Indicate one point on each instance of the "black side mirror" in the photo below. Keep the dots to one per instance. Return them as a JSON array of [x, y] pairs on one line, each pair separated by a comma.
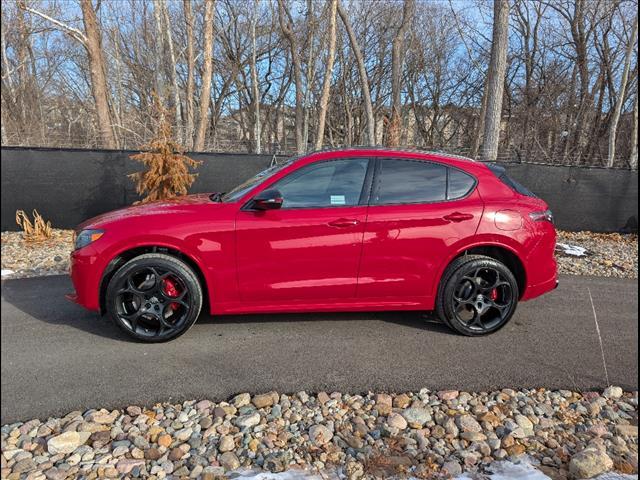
[[270, 199]]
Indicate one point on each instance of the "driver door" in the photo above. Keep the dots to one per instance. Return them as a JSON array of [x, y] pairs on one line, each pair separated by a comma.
[[309, 249]]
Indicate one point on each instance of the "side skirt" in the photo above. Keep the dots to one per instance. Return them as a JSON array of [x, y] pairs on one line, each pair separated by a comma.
[[328, 305]]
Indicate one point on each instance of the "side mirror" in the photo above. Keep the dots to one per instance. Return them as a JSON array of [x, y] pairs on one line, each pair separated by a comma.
[[269, 199]]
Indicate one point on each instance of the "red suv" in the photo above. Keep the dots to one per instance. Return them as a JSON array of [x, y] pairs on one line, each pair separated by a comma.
[[349, 230]]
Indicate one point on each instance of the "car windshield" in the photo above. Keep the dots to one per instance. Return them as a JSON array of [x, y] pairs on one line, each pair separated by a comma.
[[254, 181]]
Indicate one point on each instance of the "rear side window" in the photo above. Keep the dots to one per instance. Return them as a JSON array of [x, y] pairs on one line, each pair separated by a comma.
[[408, 181], [500, 172], [416, 181]]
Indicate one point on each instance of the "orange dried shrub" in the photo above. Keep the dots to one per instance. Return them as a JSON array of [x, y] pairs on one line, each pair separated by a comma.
[[38, 231], [167, 175]]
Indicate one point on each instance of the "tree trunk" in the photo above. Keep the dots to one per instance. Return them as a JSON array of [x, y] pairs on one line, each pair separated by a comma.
[[326, 84], [397, 59], [310, 73], [159, 56], [633, 159], [613, 130], [188, 18], [286, 26], [257, 128], [205, 91], [172, 73], [99, 87], [366, 93], [495, 80]]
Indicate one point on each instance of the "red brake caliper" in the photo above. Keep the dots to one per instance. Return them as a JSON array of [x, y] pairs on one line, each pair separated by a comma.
[[494, 294], [171, 290]]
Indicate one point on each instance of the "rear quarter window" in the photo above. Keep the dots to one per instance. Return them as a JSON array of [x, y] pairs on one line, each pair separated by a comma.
[[459, 184]]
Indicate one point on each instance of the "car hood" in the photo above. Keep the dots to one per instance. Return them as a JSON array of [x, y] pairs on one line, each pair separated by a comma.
[[181, 204]]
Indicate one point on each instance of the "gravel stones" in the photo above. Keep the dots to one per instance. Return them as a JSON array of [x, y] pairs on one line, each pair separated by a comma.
[[467, 423], [67, 442], [241, 400], [320, 435], [589, 463], [229, 461], [612, 392], [416, 417], [395, 420], [610, 254], [422, 434], [249, 420], [226, 444], [265, 400]]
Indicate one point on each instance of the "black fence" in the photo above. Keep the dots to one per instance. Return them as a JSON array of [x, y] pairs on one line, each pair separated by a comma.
[[68, 186]]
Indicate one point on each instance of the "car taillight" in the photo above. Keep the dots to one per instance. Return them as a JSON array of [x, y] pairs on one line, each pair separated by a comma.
[[545, 216]]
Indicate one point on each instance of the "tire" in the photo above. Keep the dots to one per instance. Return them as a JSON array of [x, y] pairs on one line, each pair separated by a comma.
[[154, 298], [467, 279]]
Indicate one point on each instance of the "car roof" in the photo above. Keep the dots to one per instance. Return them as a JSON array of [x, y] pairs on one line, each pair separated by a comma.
[[382, 151]]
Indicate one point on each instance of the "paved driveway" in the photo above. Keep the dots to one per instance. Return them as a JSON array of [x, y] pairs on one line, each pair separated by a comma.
[[56, 357]]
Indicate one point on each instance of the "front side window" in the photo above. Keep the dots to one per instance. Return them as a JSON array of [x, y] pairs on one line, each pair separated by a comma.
[[333, 183], [410, 181], [254, 181]]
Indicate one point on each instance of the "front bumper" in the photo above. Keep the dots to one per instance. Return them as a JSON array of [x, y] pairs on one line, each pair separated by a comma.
[[85, 274]]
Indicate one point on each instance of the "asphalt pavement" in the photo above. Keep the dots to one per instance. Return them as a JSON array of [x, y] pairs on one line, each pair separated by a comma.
[[57, 357]]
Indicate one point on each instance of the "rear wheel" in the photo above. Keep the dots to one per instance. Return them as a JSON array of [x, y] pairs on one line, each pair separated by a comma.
[[477, 295], [154, 297]]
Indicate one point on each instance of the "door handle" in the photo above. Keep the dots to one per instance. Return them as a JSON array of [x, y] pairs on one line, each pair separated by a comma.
[[458, 217], [344, 223]]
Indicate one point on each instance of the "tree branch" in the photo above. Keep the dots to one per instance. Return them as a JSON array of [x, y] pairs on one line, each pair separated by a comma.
[[73, 32]]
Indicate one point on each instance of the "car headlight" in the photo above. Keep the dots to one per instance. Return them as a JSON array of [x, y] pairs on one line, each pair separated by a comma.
[[85, 237]]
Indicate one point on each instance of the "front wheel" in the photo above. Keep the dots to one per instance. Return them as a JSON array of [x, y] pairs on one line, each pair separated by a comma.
[[154, 297], [477, 295]]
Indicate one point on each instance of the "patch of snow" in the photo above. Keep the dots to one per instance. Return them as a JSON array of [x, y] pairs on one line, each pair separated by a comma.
[[572, 250], [504, 470], [6, 272]]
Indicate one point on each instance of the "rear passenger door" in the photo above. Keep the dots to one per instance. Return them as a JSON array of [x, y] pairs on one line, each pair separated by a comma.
[[418, 209]]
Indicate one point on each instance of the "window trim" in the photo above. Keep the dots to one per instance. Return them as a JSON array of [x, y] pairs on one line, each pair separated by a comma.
[[377, 176], [365, 193]]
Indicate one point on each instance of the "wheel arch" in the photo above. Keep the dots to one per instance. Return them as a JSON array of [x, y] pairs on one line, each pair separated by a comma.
[[125, 255], [500, 252]]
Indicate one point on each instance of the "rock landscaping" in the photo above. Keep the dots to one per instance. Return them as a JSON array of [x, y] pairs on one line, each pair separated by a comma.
[[421, 434], [607, 255]]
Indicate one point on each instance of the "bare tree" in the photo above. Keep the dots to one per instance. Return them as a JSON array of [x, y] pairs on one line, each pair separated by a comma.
[[254, 81], [189, 104], [495, 80], [326, 84], [286, 24], [397, 59], [205, 90], [267, 77], [362, 71], [91, 40], [613, 129]]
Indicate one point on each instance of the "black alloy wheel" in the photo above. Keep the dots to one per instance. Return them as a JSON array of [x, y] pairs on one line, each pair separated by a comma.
[[478, 295], [154, 297]]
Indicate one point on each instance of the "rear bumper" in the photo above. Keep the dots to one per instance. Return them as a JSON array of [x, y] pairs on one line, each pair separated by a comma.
[[534, 291]]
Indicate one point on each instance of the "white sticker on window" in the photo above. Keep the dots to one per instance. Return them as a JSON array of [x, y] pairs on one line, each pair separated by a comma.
[[338, 200]]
